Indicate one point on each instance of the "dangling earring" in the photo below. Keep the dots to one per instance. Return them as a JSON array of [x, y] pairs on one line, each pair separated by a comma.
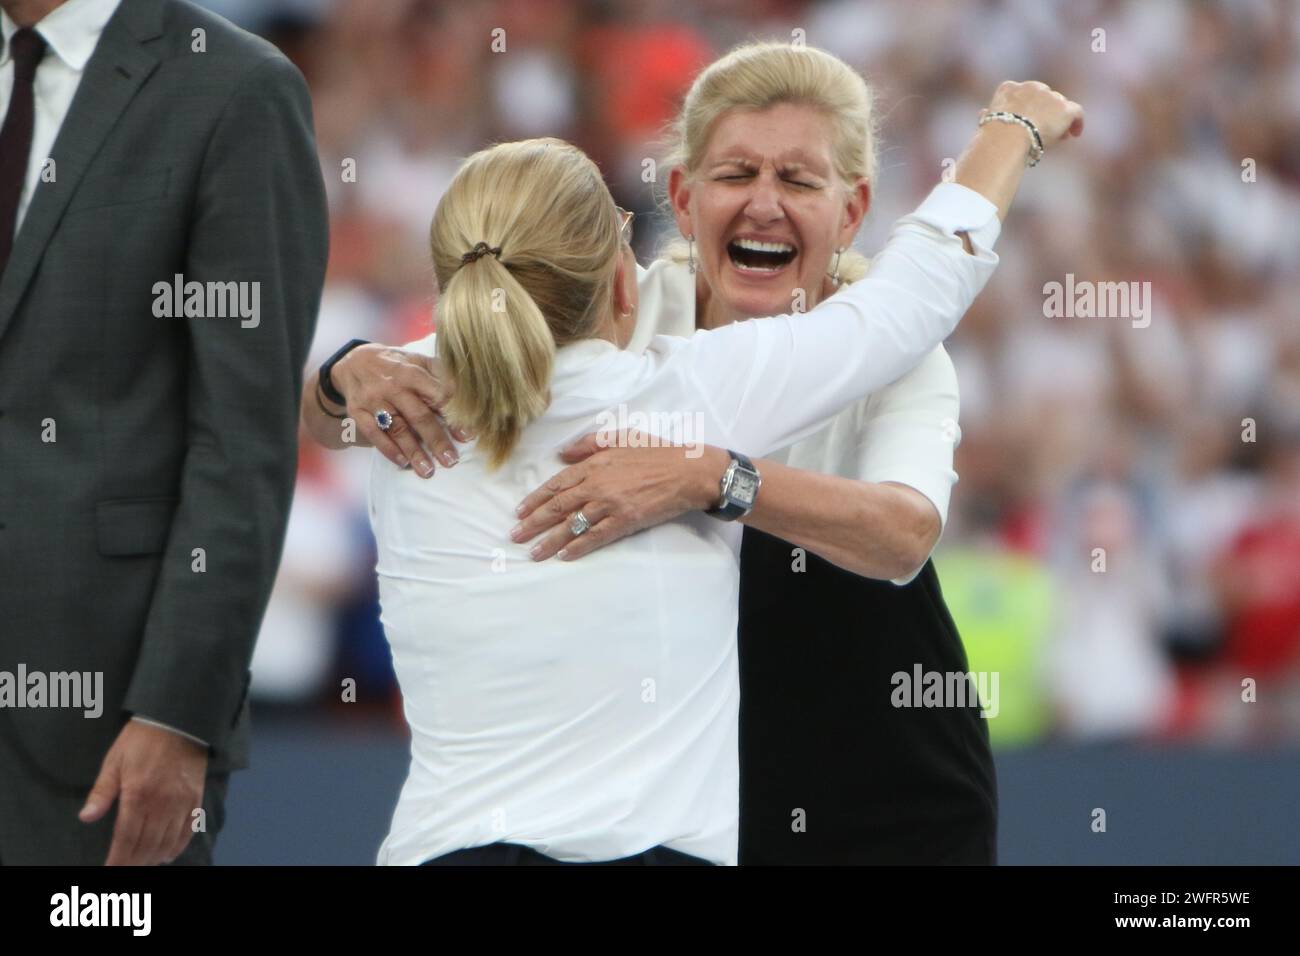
[[690, 252], [835, 273]]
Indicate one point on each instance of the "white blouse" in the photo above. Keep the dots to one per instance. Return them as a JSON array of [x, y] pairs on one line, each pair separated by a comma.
[[589, 709], [905, 432]]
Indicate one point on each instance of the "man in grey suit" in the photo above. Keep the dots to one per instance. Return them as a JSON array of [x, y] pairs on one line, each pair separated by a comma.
[[163, 237]]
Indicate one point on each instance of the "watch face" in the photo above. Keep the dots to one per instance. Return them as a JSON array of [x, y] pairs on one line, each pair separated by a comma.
[[744, 487]]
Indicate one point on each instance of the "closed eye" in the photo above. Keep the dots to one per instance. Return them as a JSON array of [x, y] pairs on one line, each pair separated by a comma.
[[734, 177]]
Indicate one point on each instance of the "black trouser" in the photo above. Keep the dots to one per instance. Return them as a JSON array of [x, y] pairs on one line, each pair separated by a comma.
[[513, 854]]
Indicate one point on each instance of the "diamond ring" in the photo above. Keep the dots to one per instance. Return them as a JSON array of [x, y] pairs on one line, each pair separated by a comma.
[[578, 524], [384, 419]]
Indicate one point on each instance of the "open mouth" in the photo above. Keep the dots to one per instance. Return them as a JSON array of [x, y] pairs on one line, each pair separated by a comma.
[[753, 255]]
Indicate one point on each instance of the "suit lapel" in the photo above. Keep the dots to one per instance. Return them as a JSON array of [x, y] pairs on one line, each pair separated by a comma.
[[115, 72]]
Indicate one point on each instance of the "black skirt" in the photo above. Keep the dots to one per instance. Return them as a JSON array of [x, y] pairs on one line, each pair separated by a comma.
[[830, 770]]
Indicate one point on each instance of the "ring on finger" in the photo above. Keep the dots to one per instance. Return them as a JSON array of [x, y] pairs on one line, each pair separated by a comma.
[[578, 524], [384, 419]]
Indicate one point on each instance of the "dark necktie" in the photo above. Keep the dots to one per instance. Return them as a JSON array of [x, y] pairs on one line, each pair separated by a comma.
[[16, 135]]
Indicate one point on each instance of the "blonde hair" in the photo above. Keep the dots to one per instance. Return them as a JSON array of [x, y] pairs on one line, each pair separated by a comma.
[[543, 203], [755, 76]]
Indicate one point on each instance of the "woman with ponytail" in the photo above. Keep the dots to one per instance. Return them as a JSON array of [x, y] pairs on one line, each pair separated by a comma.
[[587, 710]]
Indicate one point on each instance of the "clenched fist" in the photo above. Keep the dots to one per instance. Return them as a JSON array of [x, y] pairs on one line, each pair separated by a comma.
[[1055, 116]]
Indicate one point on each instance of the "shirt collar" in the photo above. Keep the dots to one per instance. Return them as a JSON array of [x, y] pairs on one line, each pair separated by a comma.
[[583, 379], [577, 356], [71, 30], [667, 290]]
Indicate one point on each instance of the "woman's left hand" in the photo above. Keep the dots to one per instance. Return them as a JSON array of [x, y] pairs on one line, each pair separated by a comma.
[[621, 487]]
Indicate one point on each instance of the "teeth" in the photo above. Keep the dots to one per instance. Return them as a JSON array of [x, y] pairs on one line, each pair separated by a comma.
[[756, 246]]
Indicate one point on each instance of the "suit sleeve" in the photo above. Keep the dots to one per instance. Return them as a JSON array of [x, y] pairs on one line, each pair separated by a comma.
[[259, 216]]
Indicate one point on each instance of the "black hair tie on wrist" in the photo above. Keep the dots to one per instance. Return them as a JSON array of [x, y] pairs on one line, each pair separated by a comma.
[[321, 404]]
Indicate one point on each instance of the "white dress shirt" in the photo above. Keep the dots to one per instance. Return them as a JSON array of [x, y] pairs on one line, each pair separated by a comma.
[[71, 31], [589, 709]]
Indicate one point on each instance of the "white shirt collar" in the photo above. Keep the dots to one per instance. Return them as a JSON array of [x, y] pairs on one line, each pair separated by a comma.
[[71, 30], [575, 358], [667, 292]]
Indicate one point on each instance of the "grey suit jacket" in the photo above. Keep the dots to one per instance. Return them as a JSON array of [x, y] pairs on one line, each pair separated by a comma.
[[141, 543]]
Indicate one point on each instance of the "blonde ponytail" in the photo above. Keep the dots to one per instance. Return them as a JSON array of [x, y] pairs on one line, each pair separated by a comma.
[[498, 349], [524, 243]]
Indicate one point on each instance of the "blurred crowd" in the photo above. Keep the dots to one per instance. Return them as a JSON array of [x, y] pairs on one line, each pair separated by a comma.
[[1124, 542]]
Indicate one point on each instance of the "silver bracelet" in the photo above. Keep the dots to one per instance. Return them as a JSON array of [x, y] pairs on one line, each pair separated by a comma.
[[1036, 141]]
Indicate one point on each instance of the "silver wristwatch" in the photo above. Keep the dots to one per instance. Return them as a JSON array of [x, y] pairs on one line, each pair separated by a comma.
[[739, 488]]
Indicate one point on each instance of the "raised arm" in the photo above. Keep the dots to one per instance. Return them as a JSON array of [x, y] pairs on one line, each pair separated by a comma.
[[879, 528], [992, 162], [773, 381]]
